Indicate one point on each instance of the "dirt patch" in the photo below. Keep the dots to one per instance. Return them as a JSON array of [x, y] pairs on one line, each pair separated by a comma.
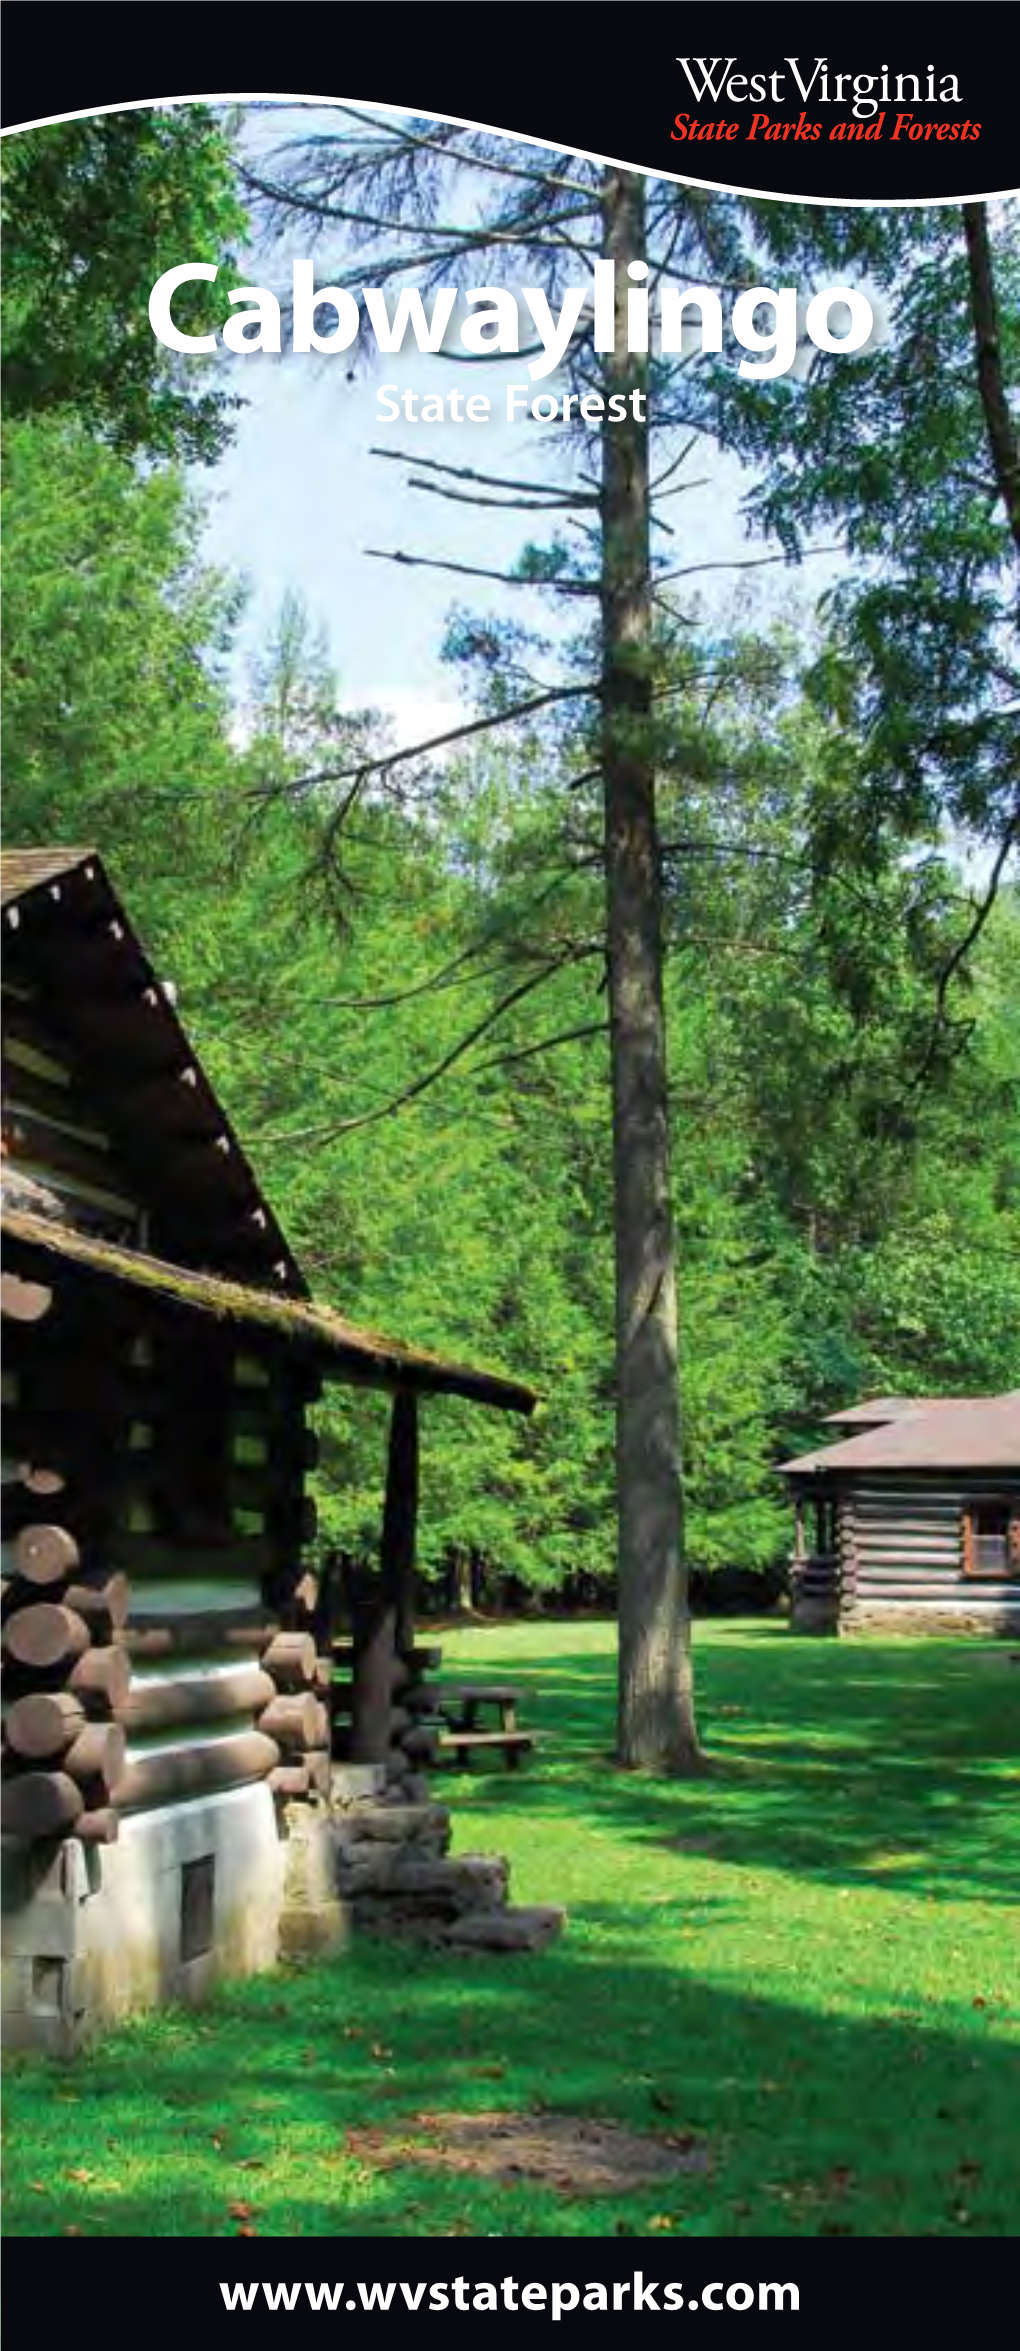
[[565, 2151]]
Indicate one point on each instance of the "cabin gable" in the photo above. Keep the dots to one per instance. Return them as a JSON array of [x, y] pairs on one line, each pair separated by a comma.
[[104, 1099]]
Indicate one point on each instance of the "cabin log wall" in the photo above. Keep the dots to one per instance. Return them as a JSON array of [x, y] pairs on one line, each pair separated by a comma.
[[900, 1558], [908, 1534], [153, 1514]]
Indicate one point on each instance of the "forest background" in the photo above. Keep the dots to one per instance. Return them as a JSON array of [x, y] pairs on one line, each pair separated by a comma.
[[404, 1012]]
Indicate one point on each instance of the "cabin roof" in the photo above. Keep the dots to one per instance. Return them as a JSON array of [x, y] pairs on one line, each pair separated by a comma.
[[876, 1411], [934, 1432], [338, 1348], [22, 870], [64, 919]]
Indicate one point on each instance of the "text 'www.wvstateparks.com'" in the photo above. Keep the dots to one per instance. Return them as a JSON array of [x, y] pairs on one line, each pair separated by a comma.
[[556, 2300]]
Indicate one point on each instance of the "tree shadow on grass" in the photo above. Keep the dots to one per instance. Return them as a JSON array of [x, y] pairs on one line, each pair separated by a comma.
[[237, 2119], [886, 1766]]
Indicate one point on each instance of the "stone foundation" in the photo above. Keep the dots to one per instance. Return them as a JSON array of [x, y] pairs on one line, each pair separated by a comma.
[[188, 1896], [396, 1875], [226, 1886], [895, 1616]]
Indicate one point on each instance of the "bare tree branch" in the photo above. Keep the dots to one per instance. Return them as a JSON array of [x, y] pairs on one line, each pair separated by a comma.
[[588, 1028], [689, 571], [449, 975], [439, 1069], [475, 571], [396, 134], [500, 505], [486, 481], [458, 239], [982, 908], [358, 776]]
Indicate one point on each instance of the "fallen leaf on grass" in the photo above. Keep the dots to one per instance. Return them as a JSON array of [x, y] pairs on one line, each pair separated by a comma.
[[83, 2177], [240, 2211]]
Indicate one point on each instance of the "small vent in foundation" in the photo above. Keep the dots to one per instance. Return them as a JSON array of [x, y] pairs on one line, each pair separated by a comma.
[[198, 1890], [47, 1985]]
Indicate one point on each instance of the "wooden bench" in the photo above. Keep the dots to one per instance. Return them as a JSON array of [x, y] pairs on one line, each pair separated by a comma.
[[463, 1708], [513, 1743]]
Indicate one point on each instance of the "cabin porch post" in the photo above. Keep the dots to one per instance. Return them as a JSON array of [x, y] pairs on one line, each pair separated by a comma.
[[389, 1625]]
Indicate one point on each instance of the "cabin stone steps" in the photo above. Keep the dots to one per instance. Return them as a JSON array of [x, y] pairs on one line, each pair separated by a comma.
[[395, 1875]]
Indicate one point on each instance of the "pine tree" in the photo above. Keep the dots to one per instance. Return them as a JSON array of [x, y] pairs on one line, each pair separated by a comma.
[[393, 187]]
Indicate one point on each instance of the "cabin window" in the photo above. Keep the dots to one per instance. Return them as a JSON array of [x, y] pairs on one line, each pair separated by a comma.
[[136, 1516], [989, 1534]]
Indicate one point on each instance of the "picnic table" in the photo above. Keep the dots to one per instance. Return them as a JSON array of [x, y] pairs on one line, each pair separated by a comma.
[[482, 1715]]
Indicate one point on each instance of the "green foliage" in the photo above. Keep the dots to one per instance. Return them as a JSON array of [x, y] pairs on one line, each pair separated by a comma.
[[810, 1182], [93, 212], [893, 450], [113, 704], [826, 1250]]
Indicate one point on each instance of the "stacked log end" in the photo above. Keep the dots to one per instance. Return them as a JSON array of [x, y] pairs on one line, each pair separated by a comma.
[[68, 1646], [63, 1753], [296, 1717]]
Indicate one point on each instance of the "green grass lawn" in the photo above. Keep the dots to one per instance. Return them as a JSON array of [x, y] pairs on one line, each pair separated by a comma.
[[806, 1960]]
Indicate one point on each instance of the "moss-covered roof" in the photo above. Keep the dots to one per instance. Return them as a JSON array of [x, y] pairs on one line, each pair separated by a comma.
[[341, 1349], [22, 870]]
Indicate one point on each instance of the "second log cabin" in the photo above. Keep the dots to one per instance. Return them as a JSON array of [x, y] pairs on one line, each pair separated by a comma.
[[166, 1745], [911, 1520]]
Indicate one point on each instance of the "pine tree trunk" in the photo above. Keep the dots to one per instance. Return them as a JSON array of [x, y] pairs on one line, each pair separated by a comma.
[[656, 1727]]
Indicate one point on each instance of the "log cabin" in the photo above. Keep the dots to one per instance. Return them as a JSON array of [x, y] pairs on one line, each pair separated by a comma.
[[166, 1728], [910, 1521]]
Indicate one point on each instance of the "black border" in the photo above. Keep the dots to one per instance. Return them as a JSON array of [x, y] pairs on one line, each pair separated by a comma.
[[606, 84]]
